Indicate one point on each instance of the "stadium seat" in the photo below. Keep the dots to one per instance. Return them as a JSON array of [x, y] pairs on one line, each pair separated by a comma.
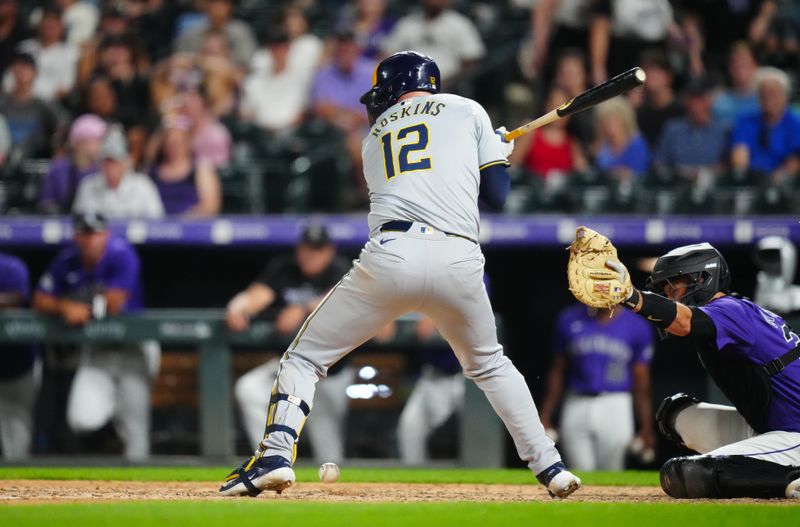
[[692, 200], [241, 190], [589, 192], [319, 170], [774, 200], [737, 192], [20, 185], [552, 195]]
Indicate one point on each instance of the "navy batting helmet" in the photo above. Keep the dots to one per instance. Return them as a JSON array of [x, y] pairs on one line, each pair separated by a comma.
[[705, 267], [398, 74]]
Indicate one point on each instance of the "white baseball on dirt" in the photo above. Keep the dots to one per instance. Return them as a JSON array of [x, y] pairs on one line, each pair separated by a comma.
[[329, 473]]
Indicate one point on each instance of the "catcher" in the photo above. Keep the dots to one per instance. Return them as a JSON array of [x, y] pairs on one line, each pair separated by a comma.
[[751, 449]]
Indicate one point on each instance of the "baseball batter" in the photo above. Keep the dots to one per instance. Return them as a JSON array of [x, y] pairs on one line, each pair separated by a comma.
[[750, 449], [428, 158]]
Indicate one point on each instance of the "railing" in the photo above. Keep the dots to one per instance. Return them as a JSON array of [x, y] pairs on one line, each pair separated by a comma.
[[496, 230]]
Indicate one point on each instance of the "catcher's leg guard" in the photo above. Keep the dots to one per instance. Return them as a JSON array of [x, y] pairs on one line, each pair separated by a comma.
[[668, 411], [725, 477], [689, 477]]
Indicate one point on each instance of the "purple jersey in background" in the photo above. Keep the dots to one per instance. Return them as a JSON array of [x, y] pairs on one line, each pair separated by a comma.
[[14, 277], [601, 355], [15, 359], [60, 184], [335, 86], [747, 331], [117, 269]]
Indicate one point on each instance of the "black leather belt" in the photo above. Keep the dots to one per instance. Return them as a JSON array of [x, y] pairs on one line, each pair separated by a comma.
[[404, 226]]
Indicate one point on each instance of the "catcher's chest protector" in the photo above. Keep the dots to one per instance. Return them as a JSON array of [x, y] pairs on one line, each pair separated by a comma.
[[744, 383]]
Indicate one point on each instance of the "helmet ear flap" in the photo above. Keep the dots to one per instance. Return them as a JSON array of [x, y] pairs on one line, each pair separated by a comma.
[[377, 100], [373, 105]]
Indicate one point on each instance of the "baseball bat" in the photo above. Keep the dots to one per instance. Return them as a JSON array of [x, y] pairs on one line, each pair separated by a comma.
[[602, 92]]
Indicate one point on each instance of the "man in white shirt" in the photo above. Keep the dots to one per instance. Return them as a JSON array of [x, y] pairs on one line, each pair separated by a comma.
[[219, 18], [80, 19], [305, 48], [450, 38], [276, 99], [56, 60], [116, 191]]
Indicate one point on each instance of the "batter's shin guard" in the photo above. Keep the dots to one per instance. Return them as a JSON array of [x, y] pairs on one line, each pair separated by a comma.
[[725, 477], [286, 425]]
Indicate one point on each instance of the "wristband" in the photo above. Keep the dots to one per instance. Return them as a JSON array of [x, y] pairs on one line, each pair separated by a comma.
[[658, 310], [633, 300]]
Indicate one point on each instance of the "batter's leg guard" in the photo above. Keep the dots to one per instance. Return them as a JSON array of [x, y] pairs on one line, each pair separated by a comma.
[[292, 426], [725, 477], [668, 411]]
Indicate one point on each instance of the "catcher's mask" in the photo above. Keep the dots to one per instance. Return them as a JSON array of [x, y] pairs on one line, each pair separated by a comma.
[[702, 264], [397, 74]]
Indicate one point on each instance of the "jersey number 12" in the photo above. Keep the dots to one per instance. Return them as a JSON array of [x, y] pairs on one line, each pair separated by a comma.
[[420, 132]]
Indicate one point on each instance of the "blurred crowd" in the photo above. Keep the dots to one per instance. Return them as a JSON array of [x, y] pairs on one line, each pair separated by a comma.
[[141, 108], [711, 131]]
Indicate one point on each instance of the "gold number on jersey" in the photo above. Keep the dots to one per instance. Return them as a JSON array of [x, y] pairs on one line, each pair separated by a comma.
[[420, 132]]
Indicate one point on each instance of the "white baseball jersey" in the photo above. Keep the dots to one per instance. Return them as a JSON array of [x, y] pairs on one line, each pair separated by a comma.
[[422, 162]]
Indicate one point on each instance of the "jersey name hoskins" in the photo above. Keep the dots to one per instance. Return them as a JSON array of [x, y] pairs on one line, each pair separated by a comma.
[[431, 108]]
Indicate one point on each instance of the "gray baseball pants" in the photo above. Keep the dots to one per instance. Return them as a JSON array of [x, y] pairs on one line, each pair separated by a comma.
[[425, 271]]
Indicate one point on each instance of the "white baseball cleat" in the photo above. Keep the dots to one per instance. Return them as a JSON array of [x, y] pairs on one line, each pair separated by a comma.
[[559, 481], [793, 489], [256, 475], [563, 484]]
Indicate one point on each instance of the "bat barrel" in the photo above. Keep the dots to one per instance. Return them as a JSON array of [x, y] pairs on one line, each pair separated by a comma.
[[602, 92], [618, 85]]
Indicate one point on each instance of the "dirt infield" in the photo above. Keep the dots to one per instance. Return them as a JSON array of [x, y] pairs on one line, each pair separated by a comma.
[[49, 491]]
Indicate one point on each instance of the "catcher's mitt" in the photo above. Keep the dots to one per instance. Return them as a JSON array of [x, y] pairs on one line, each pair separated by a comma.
[[596, 277]]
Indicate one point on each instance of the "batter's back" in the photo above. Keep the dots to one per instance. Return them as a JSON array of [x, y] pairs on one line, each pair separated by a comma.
[[422, 162]]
